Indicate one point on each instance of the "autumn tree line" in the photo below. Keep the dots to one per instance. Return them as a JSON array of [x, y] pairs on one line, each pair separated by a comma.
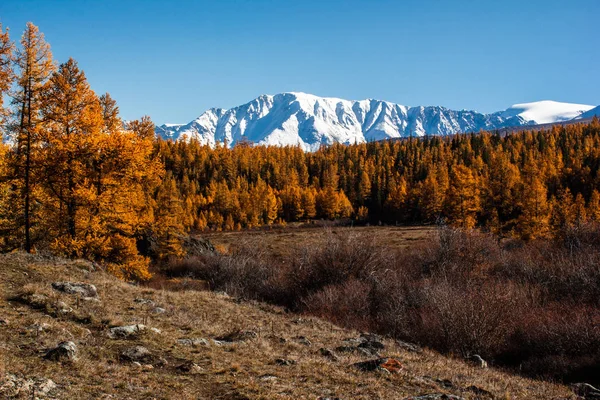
[[527, 185], [77, 180], [74, 179]]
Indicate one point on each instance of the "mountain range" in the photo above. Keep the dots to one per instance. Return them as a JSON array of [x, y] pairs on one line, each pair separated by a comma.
[[311, 121]]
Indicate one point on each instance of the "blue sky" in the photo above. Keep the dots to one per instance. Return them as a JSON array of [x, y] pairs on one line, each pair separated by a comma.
[[174, 59]]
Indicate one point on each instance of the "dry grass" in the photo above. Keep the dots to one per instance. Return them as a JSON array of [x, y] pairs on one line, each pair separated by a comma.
[[281, 242], [242, 370]]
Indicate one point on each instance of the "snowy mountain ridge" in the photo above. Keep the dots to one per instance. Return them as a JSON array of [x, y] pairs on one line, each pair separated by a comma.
[[311, 121]]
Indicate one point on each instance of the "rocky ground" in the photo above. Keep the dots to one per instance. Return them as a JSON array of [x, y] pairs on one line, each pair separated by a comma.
[[70, 331]]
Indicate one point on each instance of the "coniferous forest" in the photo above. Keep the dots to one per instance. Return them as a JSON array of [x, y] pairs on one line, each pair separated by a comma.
[[78, 181]]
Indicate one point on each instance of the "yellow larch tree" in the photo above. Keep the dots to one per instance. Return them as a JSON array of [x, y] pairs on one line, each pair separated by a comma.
[[33, 66]]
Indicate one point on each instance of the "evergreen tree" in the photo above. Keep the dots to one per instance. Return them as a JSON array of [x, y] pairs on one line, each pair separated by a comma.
[[33, 65]]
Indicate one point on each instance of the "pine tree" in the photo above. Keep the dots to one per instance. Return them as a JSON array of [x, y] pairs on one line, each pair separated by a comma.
[[535, 210], [33, 63], [463, 202]]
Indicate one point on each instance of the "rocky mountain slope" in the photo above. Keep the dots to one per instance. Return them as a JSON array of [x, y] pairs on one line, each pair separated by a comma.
[[62, 338], [311, 121]]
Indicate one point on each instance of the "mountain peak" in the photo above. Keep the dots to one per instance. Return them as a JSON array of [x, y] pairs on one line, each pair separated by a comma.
[[297, 118]]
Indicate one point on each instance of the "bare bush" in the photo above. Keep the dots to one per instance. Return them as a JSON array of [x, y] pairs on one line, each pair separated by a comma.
[[533, 306]]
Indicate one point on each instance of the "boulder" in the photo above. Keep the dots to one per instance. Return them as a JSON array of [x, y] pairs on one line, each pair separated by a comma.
[[135, 354], [78, 288], [65, 351], [126, 331], [390, 365]]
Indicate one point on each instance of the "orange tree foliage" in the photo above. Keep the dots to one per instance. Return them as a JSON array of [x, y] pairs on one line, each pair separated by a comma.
[[73, 178], [95, 175], [526, 184]]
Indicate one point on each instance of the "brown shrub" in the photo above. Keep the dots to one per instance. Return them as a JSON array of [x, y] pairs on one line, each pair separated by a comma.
[[531, 306]]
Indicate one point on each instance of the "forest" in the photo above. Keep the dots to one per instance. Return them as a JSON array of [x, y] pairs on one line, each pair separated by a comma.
[[78, 181], [525, 185]]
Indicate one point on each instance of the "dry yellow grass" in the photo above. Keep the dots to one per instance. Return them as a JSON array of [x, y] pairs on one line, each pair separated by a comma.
[[281, 241], [242, 370]]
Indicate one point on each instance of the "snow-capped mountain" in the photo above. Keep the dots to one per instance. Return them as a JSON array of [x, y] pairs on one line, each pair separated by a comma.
[[594, 112], [311, 121]]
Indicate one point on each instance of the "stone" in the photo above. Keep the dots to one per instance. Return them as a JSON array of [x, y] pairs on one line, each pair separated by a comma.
[[302, 340], [35, 300], [63, 308], [268, 378], [409, 346], [136, 353], [193, 342], [45, 386], [190, 367], [43, 327], [285, 362], [585, 390], [476, 360], [159, 310], [126, 331], [385, 364], [65, 351], [78, 288], [480, 392], [328, 354], [144, 301]]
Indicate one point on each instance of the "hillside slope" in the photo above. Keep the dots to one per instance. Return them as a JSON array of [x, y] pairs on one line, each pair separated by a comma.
[[274, 355]]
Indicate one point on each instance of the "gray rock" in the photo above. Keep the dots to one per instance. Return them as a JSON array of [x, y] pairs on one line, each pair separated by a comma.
[[586, 391], [44, 386], [65, 351], [302, 340], [126, 331], [144, 301], [193, 342], [285, 362], [135, 354], [159, 310], [78, 288], [190, 367], [63, 308], [328, 354], [476, 360], [409, 346]]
